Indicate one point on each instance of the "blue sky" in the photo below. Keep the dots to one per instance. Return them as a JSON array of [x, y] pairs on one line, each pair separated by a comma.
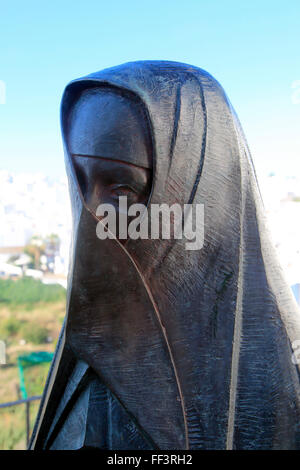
[[252, 48]]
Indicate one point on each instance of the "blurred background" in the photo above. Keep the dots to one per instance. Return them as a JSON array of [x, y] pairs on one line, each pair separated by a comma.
[[251, 48]]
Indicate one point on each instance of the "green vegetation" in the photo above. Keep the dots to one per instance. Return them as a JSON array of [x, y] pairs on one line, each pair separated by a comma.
[[9, 327], [32, 333], [28, 291], [31, 315], [35, 334]]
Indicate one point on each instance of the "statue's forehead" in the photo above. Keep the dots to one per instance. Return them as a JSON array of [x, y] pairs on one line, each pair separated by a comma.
[[106, 124]]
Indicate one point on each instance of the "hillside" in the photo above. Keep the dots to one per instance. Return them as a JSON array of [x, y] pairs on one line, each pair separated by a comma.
[[31, 315]]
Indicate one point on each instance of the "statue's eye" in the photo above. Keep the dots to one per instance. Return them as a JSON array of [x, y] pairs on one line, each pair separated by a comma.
[[118, 190]]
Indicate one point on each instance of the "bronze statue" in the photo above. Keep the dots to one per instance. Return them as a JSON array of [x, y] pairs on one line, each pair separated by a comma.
[[163, 347]]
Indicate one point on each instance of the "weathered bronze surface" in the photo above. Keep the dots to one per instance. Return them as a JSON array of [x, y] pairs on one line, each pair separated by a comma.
[[164, 348]]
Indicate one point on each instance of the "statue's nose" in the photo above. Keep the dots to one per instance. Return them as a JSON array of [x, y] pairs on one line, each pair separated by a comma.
[[92, 196]]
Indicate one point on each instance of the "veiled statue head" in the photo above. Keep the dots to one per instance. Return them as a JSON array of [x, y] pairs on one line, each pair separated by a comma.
[[175, 337], [110, 144]]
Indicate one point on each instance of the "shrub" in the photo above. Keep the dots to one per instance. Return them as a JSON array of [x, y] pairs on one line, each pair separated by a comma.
[[34, 333], [27, 291], [9, 327]]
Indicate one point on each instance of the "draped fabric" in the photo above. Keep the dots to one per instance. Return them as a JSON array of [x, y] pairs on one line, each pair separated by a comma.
[[194, 346]]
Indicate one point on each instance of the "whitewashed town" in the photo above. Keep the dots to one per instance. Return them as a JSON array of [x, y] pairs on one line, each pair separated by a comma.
[[35, 223], [35, 220]]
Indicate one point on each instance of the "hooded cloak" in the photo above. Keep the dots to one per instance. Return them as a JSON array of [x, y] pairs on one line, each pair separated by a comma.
[[162, 347]]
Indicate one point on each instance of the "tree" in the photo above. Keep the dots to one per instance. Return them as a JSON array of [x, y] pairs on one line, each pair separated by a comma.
[[35, 249]]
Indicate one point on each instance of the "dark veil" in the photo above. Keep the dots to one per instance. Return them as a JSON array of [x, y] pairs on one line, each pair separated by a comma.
[[183, 349]]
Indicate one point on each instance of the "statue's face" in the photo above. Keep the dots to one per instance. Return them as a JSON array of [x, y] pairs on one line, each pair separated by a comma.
[[107, 140]]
